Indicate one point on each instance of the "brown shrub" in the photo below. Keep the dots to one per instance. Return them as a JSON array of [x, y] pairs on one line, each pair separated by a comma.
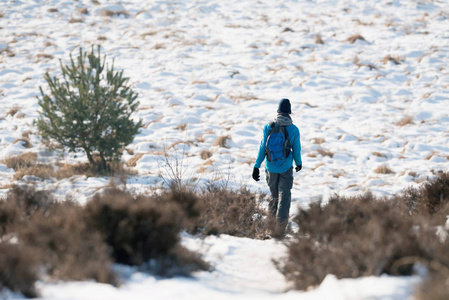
[[233, 212], [179, 262], [349, 237], [136, 228], [68, 248], [363, 235], [186, 199], [51, 236], [431, 198], [28, 200], [434, 287], [18, 269]]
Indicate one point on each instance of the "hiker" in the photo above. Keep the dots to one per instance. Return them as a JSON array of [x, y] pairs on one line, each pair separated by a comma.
[[280, 146]]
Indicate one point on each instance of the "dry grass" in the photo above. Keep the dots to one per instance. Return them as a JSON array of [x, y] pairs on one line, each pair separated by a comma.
[[13, 111], [359, 64], [407, 120], [43, 56], [181, 127], [324, 152], [383, 170], [133, 161], [28, 164], [206, 154], [356, 37], [83, 11], [378, 154], [25, 142], [389, 58], [76, 20], [110, 13], [319, 40], [222, 141], [18, 162], [317, 141]]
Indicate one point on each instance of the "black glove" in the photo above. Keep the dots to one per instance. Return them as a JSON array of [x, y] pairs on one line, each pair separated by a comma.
[[298, 168], [256, 176]]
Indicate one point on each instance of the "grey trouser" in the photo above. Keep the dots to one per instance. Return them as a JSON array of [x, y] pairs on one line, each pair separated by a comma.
[[280, 185]]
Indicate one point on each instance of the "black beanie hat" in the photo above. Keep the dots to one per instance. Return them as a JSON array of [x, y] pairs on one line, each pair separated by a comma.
[[284, 106]]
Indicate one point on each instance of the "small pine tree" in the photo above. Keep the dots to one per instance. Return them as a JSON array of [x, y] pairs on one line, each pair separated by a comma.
[[89, 108]]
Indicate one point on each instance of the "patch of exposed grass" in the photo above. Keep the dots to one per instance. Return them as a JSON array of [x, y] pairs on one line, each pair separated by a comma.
[[407, 120], [317, 141], [28, 164], [356, 37], [319, 40], [13, 111], [222, 141], [389, 58], [325, 152], [110, 13], [206, 154], [383, 170], [378, 154], [133, 161]]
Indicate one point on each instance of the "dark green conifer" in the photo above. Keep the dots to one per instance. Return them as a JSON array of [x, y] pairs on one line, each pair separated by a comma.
[[89, 108]]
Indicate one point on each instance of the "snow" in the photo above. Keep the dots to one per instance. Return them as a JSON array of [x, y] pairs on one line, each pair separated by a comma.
[[220, 67]]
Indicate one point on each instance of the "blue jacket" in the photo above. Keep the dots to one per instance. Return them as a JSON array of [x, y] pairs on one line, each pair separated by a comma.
[[293, 133]]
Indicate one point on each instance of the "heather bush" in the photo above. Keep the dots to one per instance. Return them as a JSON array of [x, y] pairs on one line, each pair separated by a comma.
[[68, 248], [143, 228], [18, 268], [364, 235], [49, 235], [233, 212]]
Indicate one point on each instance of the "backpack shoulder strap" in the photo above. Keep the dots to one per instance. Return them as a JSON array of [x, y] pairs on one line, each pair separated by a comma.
[[272, 124]]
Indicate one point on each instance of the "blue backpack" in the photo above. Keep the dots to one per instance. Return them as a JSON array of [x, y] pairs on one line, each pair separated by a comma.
[[278, 146]]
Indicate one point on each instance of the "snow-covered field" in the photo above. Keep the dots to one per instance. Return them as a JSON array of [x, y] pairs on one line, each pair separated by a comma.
[[209, 69]]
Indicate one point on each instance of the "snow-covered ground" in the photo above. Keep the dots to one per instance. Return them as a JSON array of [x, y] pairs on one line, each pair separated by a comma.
[[206, 69]]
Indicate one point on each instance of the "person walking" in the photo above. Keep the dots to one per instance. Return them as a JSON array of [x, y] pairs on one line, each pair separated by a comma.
[[280, 146]]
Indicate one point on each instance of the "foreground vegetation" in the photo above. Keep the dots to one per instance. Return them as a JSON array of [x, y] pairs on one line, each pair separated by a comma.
[[364, 235], [348, 236], [65, 241]]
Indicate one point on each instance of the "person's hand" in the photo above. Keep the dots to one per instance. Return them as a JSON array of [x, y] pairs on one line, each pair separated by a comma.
[[298, 168], [256, 175]]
